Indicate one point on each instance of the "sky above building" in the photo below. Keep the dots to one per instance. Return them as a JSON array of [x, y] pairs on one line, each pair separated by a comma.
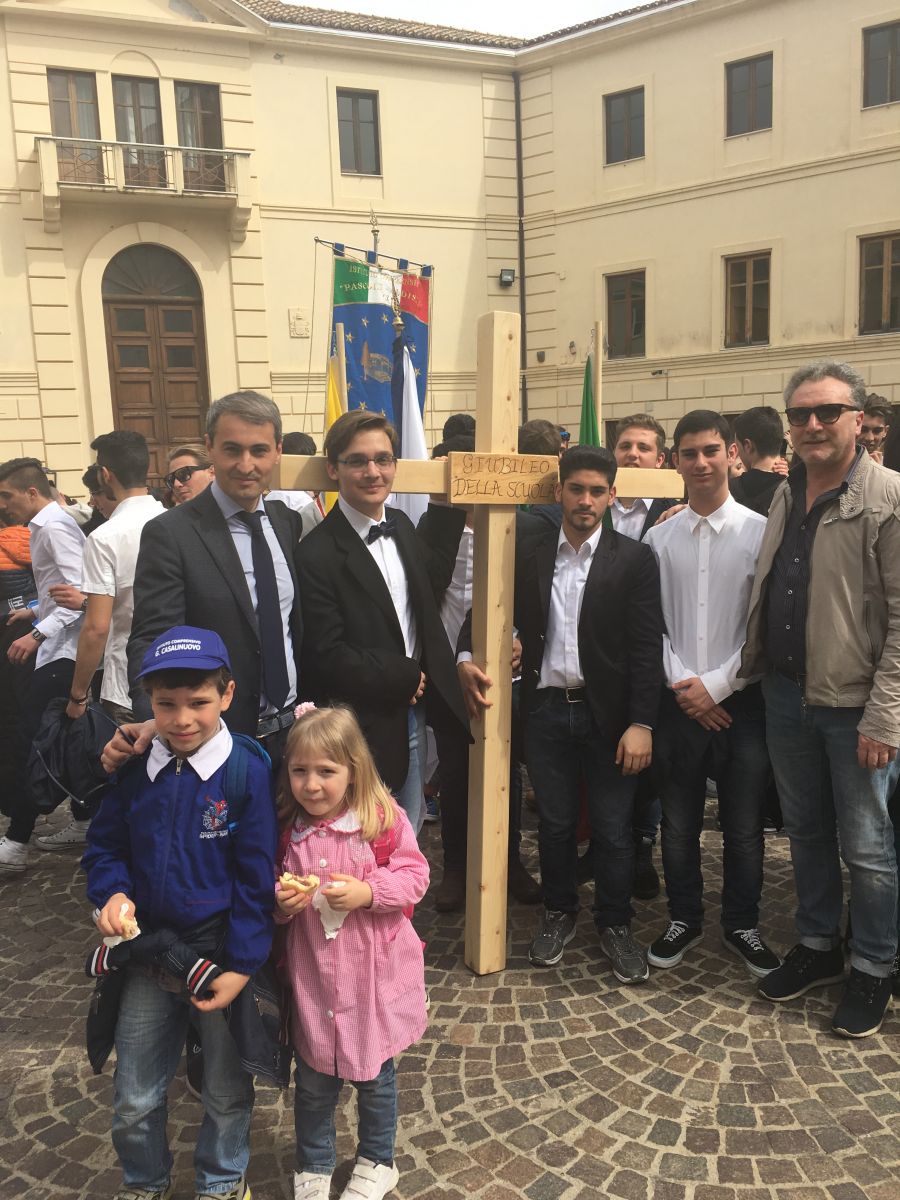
[[510, 17]]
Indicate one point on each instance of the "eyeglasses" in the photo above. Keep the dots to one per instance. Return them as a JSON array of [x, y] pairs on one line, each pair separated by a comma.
[[359, 462], [826, 414], [183, 474]]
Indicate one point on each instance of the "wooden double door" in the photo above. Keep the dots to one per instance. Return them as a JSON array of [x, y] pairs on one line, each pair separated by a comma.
[[157, 363]]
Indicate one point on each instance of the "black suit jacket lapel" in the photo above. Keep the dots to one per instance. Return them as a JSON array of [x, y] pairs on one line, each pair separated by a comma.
[[361, 565], [212, 529]]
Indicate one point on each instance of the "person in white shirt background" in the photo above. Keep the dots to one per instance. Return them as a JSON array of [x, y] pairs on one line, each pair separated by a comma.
[[57, 546], [711, 722]]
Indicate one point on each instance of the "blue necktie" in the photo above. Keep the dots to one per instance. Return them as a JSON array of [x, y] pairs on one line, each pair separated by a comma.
[[387, 528], [268, 613]]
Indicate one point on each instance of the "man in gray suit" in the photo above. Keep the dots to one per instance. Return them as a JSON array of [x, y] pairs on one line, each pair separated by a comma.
[[225, 561]]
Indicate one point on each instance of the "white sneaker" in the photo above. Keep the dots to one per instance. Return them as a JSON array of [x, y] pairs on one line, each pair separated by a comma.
[[13, 856], [73, 834], [370, 1182], [309, 1186]]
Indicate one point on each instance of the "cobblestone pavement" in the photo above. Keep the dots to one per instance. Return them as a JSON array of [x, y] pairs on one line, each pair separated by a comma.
[[552, 1085]]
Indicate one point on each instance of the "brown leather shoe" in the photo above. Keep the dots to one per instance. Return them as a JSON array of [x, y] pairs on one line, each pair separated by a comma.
[[522, 886], [450, 895]]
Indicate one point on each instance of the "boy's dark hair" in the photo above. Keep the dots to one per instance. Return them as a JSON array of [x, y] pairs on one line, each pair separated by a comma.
[[179, 677], [539, 437], [588, 458], [25, 473], [761, 426], [346, 427], [701, 420], [642, 421], [124, 452], [459, 424], [458, 443], [91, 479], [878, 406], [298, 442]]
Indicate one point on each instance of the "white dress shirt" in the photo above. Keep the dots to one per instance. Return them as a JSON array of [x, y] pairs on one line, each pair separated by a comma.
[[388, 561], [458, 596], [707, 566], [240, 533], [110, 557], [57, 545], [629, 521], [561, 664]]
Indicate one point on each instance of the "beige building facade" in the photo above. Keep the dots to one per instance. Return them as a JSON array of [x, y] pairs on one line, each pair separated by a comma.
[[716, 181]]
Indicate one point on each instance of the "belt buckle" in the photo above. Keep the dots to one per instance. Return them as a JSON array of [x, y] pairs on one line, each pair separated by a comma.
[[571, 699]]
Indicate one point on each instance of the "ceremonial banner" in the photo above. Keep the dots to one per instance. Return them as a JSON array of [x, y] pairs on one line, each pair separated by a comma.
[[364, 300]]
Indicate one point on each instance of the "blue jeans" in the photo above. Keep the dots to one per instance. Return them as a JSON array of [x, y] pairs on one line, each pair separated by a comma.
[[647, 808], [684, 755], [150, 1037], [315, 1100], [834, 809], [563, 746], [411, 796]]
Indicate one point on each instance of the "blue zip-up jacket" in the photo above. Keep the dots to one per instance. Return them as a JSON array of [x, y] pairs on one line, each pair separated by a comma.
[[171, 846]]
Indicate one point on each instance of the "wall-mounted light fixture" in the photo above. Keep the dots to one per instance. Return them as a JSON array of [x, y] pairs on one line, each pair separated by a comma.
[[507, 276]]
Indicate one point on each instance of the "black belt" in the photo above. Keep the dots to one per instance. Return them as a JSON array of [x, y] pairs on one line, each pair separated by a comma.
[[794, 676], [573, 695], [274, 724]]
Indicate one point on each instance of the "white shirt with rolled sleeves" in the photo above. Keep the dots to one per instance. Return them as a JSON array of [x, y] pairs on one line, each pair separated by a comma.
[[110, 557], [707, 566], [57, 548]]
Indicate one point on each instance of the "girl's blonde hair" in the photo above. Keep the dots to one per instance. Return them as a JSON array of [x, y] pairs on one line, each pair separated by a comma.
[[334, 733]]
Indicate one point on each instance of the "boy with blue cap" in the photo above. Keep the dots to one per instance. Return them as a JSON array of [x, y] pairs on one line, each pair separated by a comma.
[[185, 842]]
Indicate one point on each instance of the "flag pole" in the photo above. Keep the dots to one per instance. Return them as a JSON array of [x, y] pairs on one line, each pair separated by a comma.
[[341, 354], [597, 376]]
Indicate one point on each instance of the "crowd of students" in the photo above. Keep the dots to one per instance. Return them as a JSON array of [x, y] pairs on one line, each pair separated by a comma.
[[271, 674]]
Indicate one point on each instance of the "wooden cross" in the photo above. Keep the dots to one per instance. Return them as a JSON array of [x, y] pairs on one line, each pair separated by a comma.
[[495, 479]]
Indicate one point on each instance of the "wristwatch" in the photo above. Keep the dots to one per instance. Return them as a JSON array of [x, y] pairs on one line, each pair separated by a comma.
[[38, 636], [84, 604]]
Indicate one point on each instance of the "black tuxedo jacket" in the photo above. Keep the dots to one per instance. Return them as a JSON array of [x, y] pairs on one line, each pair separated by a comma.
[[619, 630], [654, 512], [353, 650], [189, 573]]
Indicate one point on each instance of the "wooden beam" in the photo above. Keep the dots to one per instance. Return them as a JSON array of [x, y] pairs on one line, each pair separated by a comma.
[[496, 425]]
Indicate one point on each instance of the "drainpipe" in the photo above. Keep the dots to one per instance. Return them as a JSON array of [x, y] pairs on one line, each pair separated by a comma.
[[520, 200]]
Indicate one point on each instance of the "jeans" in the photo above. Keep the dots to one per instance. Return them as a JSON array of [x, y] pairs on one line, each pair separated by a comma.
[[411, 796], [684, 755], [315, 1100], [647, 808], [563, 746], [834, 809], [150, 1036]]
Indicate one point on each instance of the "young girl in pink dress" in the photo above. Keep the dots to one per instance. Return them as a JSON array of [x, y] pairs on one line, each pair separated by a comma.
[[353, 958]]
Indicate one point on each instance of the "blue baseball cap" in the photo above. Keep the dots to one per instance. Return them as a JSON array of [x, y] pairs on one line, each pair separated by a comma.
[[183, 647]]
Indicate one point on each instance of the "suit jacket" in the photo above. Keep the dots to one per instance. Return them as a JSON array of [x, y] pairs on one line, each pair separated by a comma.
[[189, 573], [654, 512], [619, 630], [354, 650]]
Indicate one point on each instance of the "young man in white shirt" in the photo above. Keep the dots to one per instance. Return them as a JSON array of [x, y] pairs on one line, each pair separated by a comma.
[[711, 722], [57, 545]]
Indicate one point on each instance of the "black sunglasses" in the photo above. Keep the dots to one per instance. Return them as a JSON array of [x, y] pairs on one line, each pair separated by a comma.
[[183, 474], [826, 414]]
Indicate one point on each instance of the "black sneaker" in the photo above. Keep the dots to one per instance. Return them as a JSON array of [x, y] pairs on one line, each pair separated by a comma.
[[670, 948], [747, 943], [555, 931], [865, 1000], [801, 970], [646, 880]]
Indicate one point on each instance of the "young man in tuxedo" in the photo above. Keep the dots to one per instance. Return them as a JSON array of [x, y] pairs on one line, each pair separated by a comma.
[[587, 609], [373, 636]]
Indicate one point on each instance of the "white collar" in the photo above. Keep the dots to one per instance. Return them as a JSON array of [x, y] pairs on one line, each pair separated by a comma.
[[347, 822], [617, 503], [360, 523], [717, 519], [230, 508], [591, 543], [50, 512], [205, 760]]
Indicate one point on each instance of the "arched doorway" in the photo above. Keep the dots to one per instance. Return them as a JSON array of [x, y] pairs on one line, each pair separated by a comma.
[[155, 345]]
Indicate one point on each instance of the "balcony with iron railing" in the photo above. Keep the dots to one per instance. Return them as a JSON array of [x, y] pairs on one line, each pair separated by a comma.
[[86, 169]]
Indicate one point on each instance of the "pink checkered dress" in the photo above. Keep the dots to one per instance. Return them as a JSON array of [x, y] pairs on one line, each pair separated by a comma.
[[359, 998]]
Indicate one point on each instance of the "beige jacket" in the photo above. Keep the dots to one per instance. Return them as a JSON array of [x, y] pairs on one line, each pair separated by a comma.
[[853, 617]]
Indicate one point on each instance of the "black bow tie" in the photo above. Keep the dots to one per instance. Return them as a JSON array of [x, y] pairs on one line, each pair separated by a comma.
[[387, 528]]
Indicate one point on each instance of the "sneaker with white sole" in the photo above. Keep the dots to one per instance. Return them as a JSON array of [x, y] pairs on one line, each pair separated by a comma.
[[130, 1193], [13, 856], [310, 1186], [73, 835], [748, 945], [240, 1191], [671, 946], [370, 1181]]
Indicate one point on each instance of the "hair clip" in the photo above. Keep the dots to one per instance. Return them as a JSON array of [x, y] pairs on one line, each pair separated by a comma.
[[306, 706]]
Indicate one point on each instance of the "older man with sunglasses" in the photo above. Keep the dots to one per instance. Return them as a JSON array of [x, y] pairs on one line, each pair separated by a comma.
[[825, 624]]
